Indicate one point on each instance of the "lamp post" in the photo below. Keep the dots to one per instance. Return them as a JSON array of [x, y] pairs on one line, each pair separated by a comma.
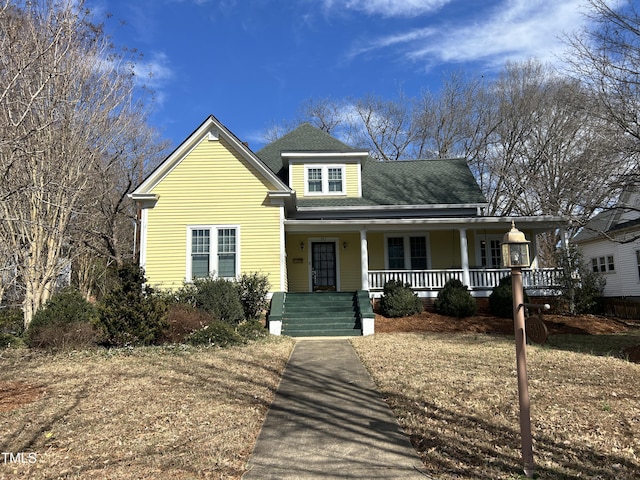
[[515, 255]]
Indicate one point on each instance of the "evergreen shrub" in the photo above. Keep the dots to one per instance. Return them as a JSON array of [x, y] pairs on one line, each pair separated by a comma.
[[253, 289], [219, 297], [398, 300], [66, 321], [455, 300], [12, 321], [252, 330], [132, 313], [501, 299]]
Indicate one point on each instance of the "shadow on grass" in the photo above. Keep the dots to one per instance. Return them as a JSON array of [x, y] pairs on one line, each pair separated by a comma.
[[466, 446]]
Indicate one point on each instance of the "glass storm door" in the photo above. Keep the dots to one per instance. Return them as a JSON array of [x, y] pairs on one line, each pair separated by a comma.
[[323, 264]]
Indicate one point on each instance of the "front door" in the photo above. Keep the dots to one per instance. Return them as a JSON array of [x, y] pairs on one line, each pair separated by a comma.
[[323, 266]]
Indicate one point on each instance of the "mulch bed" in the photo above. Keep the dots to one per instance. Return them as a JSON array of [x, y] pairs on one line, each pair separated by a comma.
[[556, 325]]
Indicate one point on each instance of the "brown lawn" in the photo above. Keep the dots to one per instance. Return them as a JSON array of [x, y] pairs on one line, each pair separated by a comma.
[[453, 386], [187, 413]]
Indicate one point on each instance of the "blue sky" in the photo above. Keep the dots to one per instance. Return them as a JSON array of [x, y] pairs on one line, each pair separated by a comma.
[[251, 63]]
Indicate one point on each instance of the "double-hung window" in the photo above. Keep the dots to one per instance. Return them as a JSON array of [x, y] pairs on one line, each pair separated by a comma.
[[603, 264], [213, 251], [324, 180], [407, 252]]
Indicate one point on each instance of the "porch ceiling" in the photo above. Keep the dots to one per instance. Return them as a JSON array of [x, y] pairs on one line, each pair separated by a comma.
[[534, 223]]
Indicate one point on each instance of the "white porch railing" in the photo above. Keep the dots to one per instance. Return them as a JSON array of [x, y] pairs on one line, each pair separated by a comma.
[[480, 278]]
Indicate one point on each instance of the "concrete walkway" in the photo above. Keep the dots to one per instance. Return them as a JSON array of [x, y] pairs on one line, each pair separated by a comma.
[[328, 421]]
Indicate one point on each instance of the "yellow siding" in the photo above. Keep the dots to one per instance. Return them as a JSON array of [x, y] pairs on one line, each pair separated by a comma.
[[212, 185], [298, 263], [445, 249], [351, 172], [350, 262], [375, 242]]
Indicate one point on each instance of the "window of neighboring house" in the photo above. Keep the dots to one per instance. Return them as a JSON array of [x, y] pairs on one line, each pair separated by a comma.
[[204, 242], [490, 253], [603, 264], [638, 262], [324, 180], [407, 253]]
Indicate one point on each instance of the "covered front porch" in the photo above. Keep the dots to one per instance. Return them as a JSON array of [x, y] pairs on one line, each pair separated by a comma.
[[348, 255]]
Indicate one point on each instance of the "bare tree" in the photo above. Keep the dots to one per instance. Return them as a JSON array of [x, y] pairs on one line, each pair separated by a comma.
[[606, 57], [66, 100]]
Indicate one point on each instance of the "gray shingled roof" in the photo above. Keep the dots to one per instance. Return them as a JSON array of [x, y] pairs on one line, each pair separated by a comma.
[[414, 182], [420, 182], [305, 138]]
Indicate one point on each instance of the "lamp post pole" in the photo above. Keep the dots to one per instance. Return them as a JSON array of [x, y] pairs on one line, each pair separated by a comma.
[[521, 362]]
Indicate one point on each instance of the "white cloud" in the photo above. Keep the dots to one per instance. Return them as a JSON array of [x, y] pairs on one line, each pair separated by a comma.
[[387, 8], [154, 73], [511, 30]]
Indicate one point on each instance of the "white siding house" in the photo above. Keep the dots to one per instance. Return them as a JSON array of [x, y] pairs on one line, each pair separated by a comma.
[[610, 243]]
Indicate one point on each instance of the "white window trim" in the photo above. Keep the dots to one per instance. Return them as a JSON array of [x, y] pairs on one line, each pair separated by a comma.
[[213, 249], [407, 248], [324, 167], [606, 263]]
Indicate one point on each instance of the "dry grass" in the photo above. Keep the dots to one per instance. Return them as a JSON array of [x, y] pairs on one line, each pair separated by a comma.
[[144, 413], [456, 397]]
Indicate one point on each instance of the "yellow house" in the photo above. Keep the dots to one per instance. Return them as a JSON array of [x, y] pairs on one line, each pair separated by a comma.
[[316, 215]]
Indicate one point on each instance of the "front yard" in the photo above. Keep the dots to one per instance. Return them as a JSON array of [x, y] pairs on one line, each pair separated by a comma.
[[456, 395], [155, 412], [187, 413]]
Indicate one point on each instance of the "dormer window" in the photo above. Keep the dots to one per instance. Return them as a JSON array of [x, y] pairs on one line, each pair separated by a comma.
[[324, 180]]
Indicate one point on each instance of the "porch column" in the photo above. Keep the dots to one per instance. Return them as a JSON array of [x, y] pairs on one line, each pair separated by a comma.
[[464, 257], [364, 260]]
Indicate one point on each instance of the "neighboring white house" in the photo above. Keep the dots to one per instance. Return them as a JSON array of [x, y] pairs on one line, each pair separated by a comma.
[[610, 243]]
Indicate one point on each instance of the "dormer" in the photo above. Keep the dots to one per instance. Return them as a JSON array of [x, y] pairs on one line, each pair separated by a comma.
[[325, 174]]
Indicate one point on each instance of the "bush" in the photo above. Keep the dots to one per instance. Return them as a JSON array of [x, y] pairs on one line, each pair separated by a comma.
[[182, 320], [7, 340], [251, 330], [12, 321], [581, 288], [66, 321], [132, 313], [455, 300], [501, 299], [253, 289], [217, 333], [220, 298], [398, 300]]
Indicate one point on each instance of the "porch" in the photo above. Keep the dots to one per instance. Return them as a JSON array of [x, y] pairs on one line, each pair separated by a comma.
[[340, 256]]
